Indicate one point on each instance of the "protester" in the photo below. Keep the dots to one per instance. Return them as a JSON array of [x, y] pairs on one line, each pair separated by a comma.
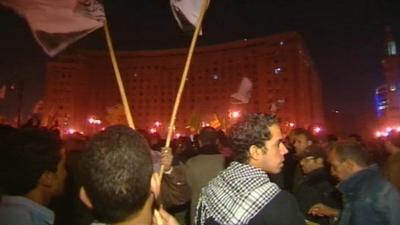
[[243, 193], [118, 180], [33, 175], [205, 166], [369, 199], [316, 186]]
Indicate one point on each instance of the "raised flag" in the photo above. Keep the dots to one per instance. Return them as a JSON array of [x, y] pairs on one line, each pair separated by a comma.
[[56, 24], [186, 12], [276, 105], [194, 123], [243, 94], [215, 122]]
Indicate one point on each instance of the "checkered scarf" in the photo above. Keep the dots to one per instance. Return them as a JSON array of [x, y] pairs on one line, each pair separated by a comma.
[[236, 195]]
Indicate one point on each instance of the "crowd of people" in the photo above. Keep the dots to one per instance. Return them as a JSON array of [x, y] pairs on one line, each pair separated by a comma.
[[250, 174]]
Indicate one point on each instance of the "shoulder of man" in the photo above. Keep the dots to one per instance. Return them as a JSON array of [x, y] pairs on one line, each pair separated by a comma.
[[282, 209]]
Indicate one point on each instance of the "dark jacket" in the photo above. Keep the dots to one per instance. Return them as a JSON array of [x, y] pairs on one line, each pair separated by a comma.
[[200, 170], [369, 199], [282, 210], [316, 187]]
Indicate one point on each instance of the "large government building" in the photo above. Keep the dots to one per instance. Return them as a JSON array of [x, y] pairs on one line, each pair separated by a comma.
[[387, 96], [283, 80]]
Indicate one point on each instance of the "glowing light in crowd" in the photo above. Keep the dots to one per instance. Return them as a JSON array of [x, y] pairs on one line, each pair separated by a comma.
[[387, 131], [292, 125], [317, 130], [157, 123], [204, 124], [177, 135], [234, 114], [93, 120], [153, 130], [381, 134], [70, 131]]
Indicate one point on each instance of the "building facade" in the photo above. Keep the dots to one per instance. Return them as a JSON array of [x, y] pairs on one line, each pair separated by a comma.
[[283, 77], [388, 95]]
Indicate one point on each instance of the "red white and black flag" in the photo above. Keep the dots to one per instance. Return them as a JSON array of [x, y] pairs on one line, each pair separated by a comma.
[[56, 24]]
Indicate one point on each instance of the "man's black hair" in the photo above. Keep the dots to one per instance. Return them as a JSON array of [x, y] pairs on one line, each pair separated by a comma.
[[305, 133], [116, 172], [253, 129], [27, 154], [354, 151], [208, 135]]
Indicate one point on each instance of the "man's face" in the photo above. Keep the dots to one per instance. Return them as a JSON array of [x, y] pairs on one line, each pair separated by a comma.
[[338, 168], [301, 143], [310, 163], [275, 150]]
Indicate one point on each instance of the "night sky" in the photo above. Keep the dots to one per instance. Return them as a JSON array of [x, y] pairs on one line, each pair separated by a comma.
[[345, 39]]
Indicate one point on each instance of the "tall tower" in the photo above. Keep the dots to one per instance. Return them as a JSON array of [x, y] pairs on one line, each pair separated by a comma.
[[391, 66]]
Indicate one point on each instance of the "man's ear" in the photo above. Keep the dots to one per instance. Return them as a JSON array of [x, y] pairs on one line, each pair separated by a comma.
[[47, 179], [155, 184], [255, 152], [85, 198]]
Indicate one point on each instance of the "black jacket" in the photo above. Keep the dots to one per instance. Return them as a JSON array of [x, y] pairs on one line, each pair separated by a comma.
[[282, 210], [316, 187]]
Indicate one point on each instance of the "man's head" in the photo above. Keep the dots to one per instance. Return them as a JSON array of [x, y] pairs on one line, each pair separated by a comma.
[[116, 174], [208, 136], [313, 158], [34, 162], [257, 140], [347, 158], [302, 140]]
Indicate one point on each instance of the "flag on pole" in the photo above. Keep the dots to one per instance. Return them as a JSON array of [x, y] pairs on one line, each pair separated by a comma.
[[194, 123], [276, 105], [215, 122], [56, 24], [3, 92], [242, 96], [186, 12]]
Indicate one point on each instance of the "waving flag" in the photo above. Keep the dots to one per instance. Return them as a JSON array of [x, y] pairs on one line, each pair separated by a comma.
[[56, 24], [186, 12], [242, 96]]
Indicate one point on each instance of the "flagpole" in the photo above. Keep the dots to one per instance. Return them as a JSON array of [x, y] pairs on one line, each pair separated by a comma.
[[118, 76], [184, 76]]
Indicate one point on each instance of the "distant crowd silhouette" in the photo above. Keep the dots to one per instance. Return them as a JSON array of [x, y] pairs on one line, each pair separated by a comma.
[[250, 174]]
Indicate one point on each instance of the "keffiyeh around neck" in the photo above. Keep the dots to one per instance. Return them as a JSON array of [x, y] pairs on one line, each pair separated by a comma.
[[236, 195]]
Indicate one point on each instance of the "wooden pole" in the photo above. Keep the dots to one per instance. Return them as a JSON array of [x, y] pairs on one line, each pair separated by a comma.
[[118, 76], [203, 9]]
